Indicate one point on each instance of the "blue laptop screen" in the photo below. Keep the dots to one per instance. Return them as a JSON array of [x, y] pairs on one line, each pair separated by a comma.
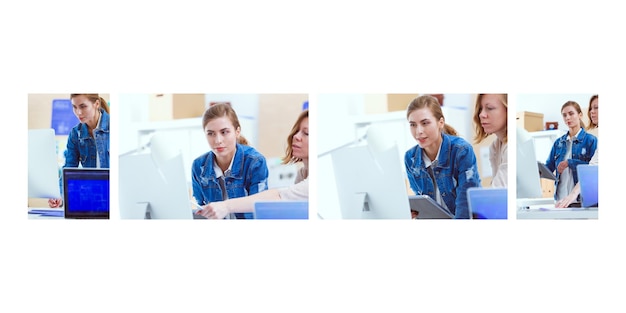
[[279, 210], [488, 203], [86, 193]]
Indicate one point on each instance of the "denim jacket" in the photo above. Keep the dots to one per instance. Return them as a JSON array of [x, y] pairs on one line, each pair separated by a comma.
[[248, 176], [81, 148], [583, 147], [455, 172]]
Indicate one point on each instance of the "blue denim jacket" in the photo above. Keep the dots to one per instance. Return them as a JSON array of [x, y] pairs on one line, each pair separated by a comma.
[[583, 147], [248, 176], [81, 148], [455, 172]]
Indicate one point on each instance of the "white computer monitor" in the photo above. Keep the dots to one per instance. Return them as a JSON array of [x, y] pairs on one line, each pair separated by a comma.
[[371, 182], [528, 182], [43, 167], [153, 185]]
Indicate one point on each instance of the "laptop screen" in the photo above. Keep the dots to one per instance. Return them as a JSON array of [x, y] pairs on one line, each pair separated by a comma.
[[86, 192], [282, 210], [588, 179], [487, 203]]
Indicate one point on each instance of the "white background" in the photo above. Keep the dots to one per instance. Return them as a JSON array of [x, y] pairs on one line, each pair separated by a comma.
[[313, 47]]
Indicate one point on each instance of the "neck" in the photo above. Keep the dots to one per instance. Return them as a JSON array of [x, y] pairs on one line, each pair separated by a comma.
[[432, 150], [573, 131]]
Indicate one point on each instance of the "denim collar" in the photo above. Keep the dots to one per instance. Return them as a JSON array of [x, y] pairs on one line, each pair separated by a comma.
[[443, 156], [236, 166], [580, 136]]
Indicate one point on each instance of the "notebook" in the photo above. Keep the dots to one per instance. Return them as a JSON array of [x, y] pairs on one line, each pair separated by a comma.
[[281, 210], [487, 203], [427, 208], [86, 193], [588, 180]]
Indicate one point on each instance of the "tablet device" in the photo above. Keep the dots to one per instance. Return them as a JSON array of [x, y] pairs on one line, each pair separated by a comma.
[[86, 193], [427, 208], [544, 171]]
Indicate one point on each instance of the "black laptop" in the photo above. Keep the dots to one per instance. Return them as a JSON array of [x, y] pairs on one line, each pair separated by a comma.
[[86, 193]]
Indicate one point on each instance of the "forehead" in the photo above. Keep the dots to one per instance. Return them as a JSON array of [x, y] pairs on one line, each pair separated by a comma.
[[421, 114], [491, 99], [304, 123], [219, 123], [80, 99], [568, 109]]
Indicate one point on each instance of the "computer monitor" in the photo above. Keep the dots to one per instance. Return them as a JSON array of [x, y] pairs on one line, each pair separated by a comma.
[[86, 193], [153, 185], [371, 182], [528, 182], [43, 167]]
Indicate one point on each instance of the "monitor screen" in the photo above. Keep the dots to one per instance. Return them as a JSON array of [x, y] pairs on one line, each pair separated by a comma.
[[86, 192], [528, 182], [371, 184], [43, 167]]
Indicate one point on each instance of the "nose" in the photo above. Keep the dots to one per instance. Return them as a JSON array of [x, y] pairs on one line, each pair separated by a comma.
[[297, 136]]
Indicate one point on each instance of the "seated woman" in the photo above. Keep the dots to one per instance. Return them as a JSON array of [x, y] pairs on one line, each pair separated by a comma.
[[441, 165], [297, 151]]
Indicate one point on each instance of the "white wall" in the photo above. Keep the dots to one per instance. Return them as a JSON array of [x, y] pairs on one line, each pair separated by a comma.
[[550, 105]]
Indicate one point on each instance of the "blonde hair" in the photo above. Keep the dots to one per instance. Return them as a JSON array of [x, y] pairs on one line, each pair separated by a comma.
[[591, 123], [480, 132], [289, 158], [431, 103]]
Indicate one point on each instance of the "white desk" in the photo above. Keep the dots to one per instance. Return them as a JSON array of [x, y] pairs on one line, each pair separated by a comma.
[[43, 216]]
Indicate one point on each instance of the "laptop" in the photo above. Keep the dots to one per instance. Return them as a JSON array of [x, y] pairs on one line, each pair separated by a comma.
[[544, 171], [281, 210], [487, 203], [427, 208], [86, 193], [588, 180]]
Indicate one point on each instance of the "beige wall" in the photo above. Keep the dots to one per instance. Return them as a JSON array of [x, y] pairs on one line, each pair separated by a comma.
[[277, 114]]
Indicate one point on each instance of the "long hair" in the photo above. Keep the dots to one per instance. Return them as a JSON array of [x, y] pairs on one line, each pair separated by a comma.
[[431, 103], [578, 110], [93, 97], [289, 158], [223, 110], [480, 132], [591, 123]]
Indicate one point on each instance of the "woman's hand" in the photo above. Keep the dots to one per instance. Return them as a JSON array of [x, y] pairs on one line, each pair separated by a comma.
[[55, 203], [214, 210], [562, 166], [565, 202]]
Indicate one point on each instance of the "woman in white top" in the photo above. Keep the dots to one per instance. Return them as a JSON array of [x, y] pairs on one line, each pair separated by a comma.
[[490, 117], [297, 151]]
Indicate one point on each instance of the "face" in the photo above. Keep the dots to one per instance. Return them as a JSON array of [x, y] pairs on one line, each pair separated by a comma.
[[593, 113], [571, 117], [222, 137], [425, 128], [85, 110], [492, 115], [300, 141]]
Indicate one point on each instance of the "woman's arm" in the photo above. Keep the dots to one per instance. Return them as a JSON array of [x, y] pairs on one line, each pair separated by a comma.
[[220, 209]]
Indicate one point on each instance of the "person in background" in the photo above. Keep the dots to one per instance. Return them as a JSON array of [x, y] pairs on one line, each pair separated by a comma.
[[441, 165], [297, 151], [574, 148], [592, 112], [88, 141], [490, 117], [232, 169]]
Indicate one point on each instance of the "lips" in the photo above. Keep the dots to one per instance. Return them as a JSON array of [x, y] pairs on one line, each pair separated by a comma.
[[220, 149]]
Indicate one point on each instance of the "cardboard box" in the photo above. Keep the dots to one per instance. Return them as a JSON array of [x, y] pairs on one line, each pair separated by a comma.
[[530, 121], [165, 107]]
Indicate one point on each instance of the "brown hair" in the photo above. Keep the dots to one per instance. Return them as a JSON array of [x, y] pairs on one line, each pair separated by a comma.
[[577, 108], [93, 97], [431, 103], [591, 124], [223, 110], [480, 132], [289, 158]]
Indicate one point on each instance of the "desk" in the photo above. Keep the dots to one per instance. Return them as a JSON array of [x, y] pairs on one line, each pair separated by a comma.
[[543, 208], [538, 212], [43, 216]]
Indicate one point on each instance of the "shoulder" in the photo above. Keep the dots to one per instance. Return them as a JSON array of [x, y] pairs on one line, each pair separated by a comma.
[[250, 152]]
